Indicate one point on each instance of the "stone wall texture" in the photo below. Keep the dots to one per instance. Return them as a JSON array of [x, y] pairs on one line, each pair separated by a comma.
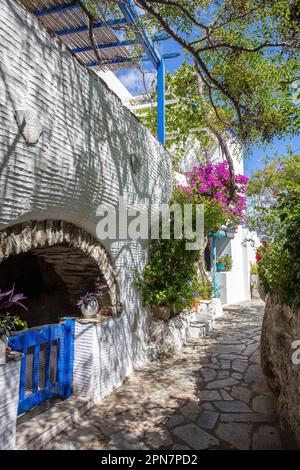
[[68, 145], [166, 339], [281, 364], [9, 396]]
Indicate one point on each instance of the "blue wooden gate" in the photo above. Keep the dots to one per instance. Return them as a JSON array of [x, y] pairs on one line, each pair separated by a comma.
[[47, 363]]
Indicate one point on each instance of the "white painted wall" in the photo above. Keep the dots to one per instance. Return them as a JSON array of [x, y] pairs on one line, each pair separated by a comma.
[[234, 286], [82, 159], [115, 85]]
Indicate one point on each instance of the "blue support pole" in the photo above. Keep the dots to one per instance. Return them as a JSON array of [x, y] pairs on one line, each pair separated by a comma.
[[161, 120], [125, 60], [69, 357]]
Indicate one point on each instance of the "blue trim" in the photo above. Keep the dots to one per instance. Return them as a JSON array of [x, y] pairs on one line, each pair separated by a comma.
[[55, 9], [109, 45], [161, 124], [127, 60], [69, 332], [132, 17], [220, 234], [105, 46], [84, 27]]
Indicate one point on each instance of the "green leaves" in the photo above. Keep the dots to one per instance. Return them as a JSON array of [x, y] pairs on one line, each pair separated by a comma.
[[247, 53], [277, 214]]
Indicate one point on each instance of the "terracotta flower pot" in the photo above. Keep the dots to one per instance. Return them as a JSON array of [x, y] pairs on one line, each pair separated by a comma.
[[195, 304], [161, 312]]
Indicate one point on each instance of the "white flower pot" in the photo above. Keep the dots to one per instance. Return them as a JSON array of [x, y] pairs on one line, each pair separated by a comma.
[[90, 310], [3, 341]]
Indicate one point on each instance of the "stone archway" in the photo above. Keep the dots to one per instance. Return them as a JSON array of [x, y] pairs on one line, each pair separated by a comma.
[[59, 253]]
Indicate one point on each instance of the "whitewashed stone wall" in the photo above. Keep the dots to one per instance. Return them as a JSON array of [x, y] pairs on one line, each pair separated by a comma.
[[103, 356], [82, 158], [280, 358], [9, 400]]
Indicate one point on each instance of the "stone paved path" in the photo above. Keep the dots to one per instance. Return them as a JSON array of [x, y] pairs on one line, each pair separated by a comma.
[[211, 396]]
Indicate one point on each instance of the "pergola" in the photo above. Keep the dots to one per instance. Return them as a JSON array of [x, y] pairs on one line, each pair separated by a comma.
[[68, 21]]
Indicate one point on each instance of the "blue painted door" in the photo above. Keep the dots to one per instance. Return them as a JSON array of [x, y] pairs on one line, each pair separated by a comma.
[[47, 363]]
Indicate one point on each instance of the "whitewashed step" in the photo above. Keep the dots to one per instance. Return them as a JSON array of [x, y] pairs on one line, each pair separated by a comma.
[[201, 327]]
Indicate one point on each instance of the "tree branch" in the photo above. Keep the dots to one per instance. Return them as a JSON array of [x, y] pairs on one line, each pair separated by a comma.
[[200, 64], [91, 33], [184, 11], [245, 49], [221, 140]]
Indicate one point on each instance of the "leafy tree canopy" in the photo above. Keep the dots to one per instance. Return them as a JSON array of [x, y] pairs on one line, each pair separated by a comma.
[[247, 56], [241, 71]]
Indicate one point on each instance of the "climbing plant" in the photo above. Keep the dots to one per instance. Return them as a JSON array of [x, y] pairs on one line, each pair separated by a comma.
[[174, 275]]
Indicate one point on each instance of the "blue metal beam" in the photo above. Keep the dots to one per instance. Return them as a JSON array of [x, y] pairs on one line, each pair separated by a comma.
[[161, 125], [84, 27], [132, 18], [55, 9], [124, 60], [109, 45], [105, 46]]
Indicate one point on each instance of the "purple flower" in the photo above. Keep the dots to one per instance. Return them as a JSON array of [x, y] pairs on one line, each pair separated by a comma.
[[212, 181]]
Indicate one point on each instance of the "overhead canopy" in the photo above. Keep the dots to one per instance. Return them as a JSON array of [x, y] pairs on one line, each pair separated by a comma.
[[120, 39]]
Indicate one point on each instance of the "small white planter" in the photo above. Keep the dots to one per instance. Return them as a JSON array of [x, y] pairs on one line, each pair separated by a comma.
[[90, 310], [3, 341]]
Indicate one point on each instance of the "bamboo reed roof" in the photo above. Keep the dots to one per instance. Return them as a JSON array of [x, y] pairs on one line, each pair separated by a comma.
[[75, 17]]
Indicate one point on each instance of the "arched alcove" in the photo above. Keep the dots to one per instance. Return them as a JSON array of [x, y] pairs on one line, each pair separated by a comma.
[[53, 263]]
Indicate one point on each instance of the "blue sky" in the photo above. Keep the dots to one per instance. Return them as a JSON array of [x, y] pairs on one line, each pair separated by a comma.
[[133, 80]]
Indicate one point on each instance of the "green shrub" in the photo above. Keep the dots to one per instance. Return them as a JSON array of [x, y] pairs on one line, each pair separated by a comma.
[[279, 263], [170, 276]]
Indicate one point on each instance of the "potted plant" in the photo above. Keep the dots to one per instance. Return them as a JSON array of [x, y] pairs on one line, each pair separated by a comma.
[[88, 303], [224, 263], [9, 322], [196, 300]]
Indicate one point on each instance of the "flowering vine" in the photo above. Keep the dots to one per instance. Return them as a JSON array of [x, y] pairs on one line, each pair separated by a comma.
[[212, 182]]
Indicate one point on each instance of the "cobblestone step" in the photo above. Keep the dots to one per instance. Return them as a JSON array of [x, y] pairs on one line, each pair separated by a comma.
[[39, 430], [201, 327]]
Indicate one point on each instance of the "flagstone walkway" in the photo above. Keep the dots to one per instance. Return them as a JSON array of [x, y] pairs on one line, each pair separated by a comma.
[[211, 396]]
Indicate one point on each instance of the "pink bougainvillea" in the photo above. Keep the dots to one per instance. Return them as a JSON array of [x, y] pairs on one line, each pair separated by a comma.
[[212, 181]]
